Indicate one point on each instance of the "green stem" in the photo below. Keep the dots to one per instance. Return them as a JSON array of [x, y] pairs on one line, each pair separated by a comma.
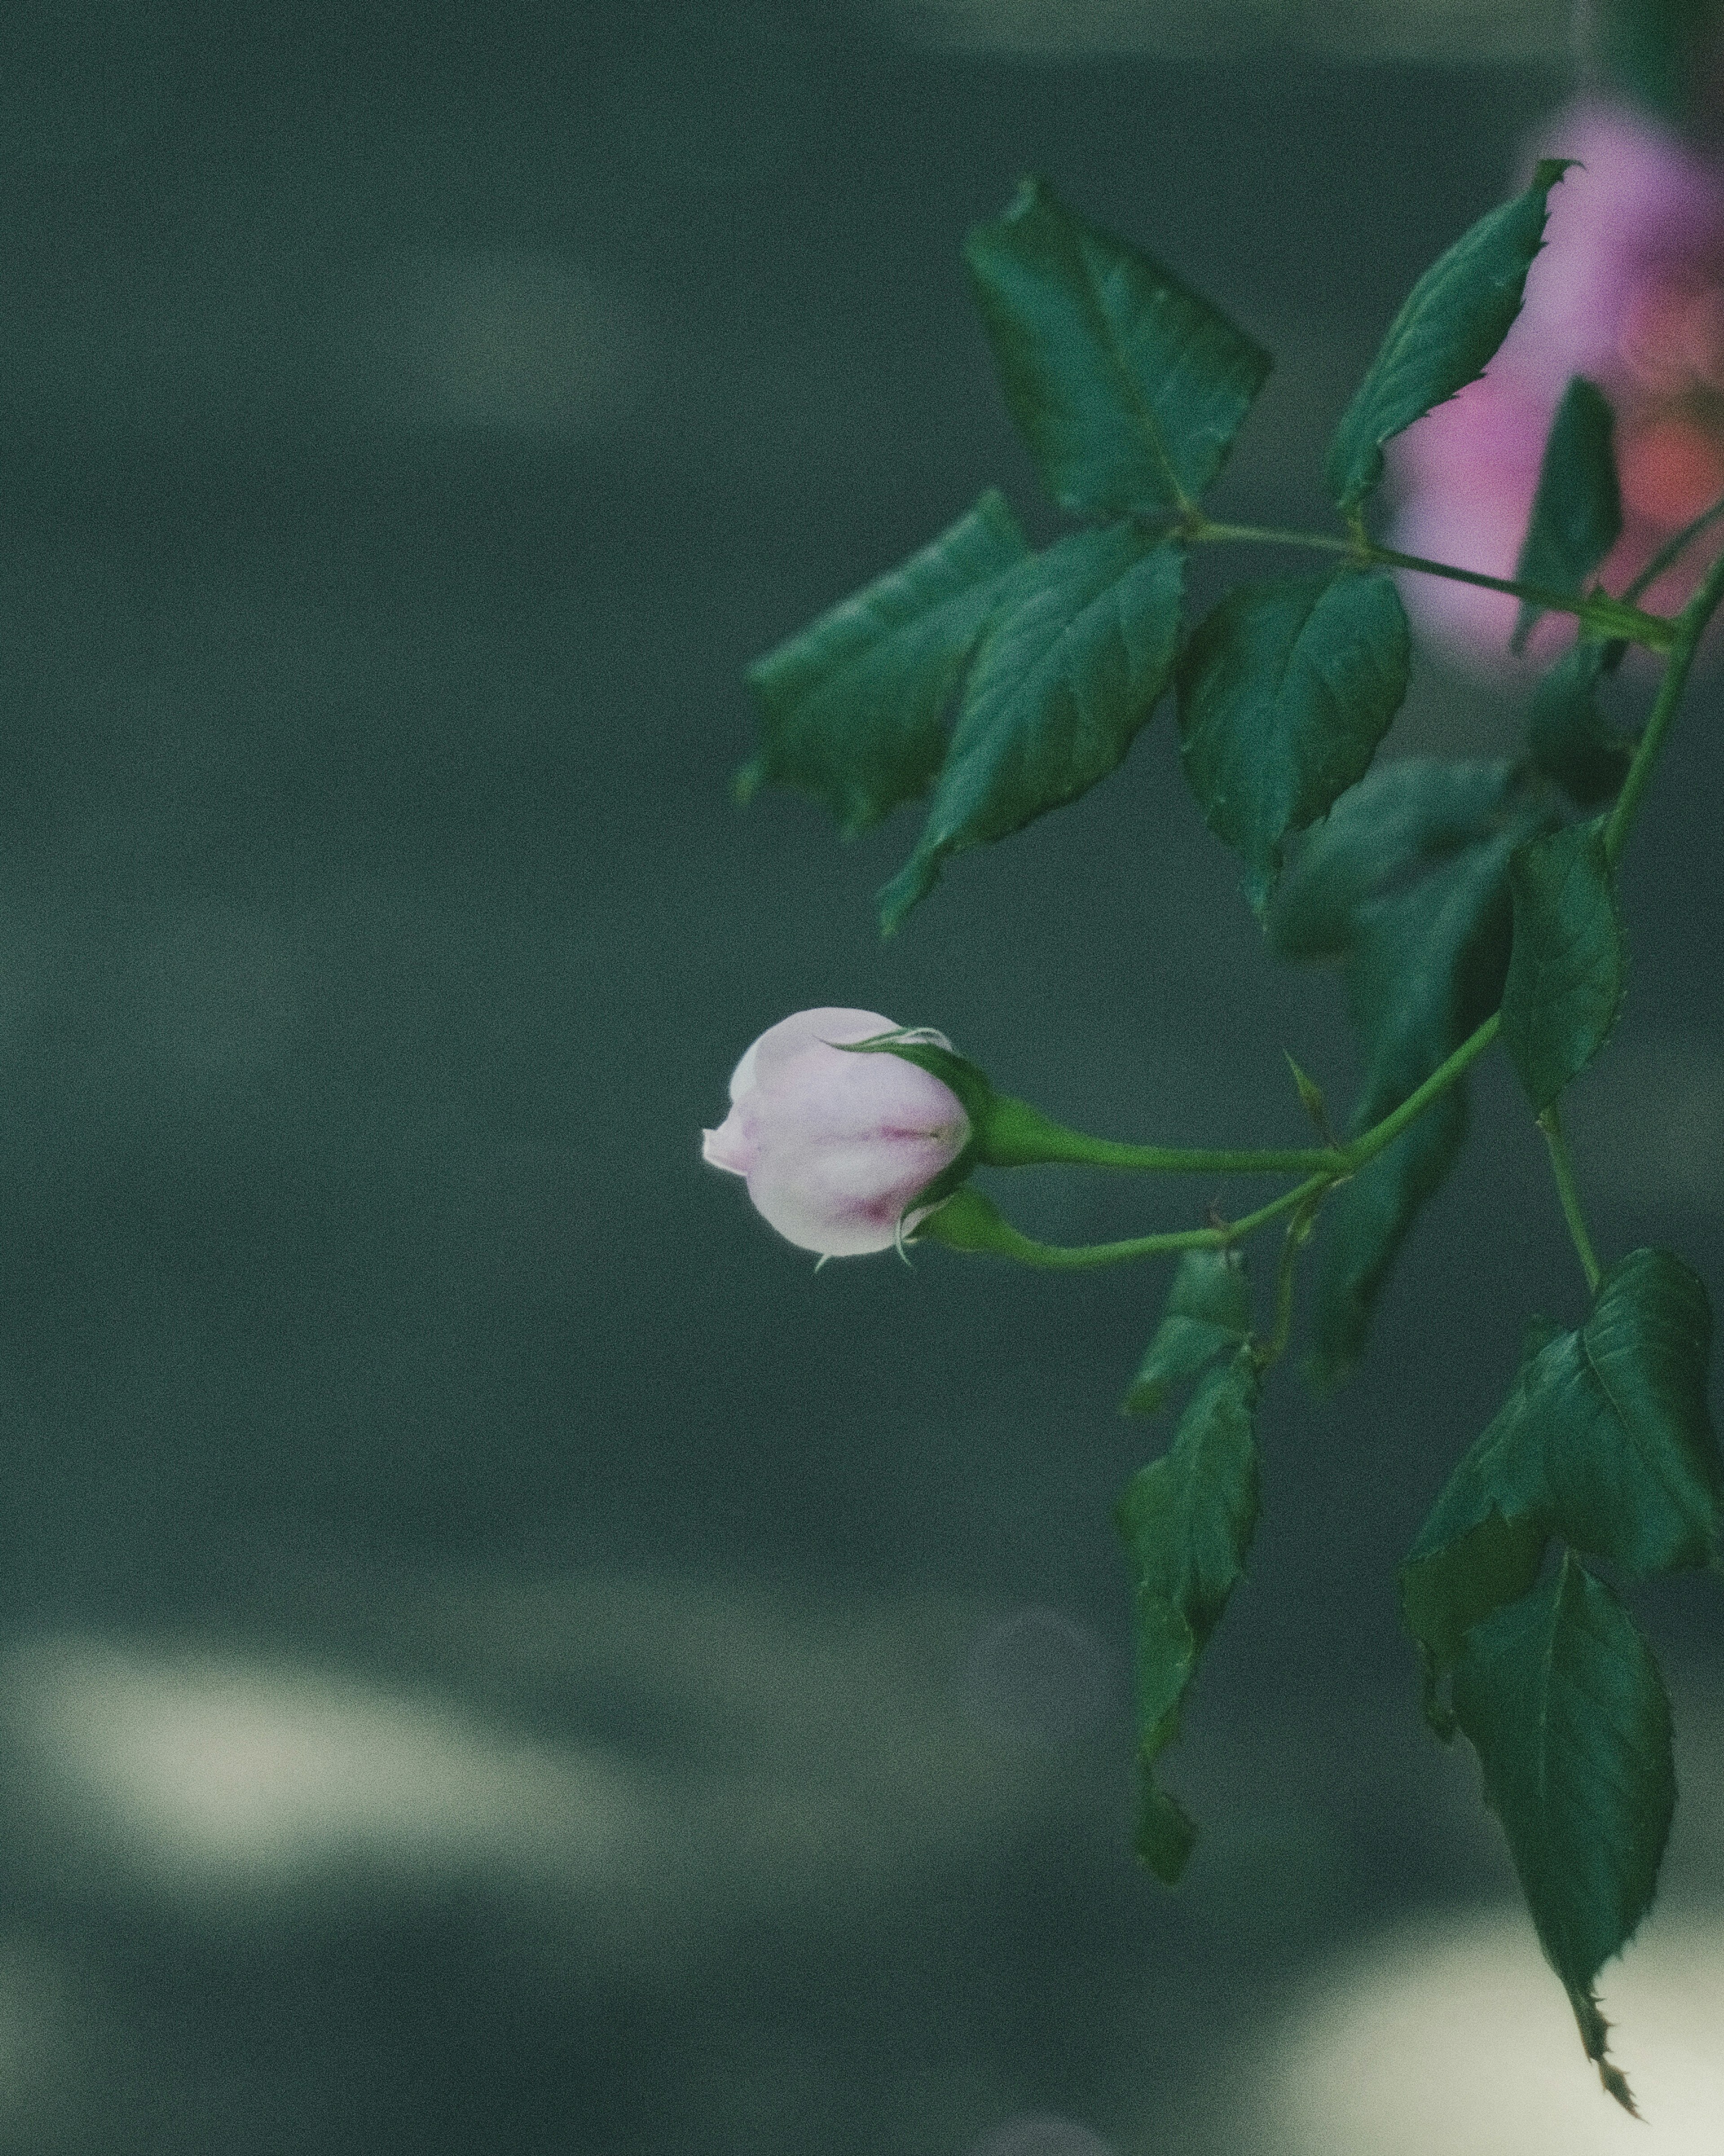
[[1690, 627], [969, 1221], [1298, 1235], [1596, 611], [1670, 551], [1563, 1168], [1017, 1135], [1369, 1143]]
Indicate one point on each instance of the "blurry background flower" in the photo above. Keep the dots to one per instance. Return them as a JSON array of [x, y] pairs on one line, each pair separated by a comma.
[[1628, 291]]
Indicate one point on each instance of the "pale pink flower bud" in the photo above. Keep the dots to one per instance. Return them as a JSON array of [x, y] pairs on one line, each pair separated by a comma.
[[833, 1145]]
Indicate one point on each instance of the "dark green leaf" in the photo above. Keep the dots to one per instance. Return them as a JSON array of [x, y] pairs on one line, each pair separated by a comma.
[[1075, 657], [1208, 1313], [1284, 691], [1445, 335], [1567, 975], [1604, 1441], [1186, 1521], [1425, 967], [1562, 1700], [1577, 512], [1401, 820], [1567, 737], [1127, 387], [852, 706], [1661, 53]]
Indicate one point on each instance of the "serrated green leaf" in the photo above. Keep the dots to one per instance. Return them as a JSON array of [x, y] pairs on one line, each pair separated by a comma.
[[1576, 511], [1126, 386], [1568, 739], [1445, 335], [1208, 1313], [852, 706], [1562, 1700], [1187, 1521], [1284, 691], [1078, 651], [1604, 1441], [1569, 965]]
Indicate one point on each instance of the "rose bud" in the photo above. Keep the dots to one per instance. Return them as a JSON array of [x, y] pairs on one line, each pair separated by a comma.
[[835, 1145]]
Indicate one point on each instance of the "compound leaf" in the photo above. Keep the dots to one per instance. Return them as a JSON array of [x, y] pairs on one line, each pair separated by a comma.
[[1569, 964], [1562, 1700], [1443, 337], [1127, 388], [1186, 1521], [1208, 1313], [1577, 512], [852, 706], [1284, 691], [1077, 652]]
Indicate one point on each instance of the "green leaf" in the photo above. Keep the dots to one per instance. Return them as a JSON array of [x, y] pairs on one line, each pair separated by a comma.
[[1560, 1696], [1402, 819], [1566, 977], [1074, 661], [1425, 967], [1604, 1441], [1568, 739], [1284, 691], [1186, 1521], [1445, 335], [1208, 1313], [1127, 387], [1577, 512], [852, 706]]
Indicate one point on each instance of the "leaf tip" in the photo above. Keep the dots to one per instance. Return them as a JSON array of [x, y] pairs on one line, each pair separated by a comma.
[[1595, 2036], [749, 778]]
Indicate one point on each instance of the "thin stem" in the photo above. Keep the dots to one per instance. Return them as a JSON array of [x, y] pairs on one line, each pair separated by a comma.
[[1671, 549], [1609, 617], [1563, 1168], [1690, 627], [1018, 1135], [1298, 1235], [1004, 1240], [1369, 1143]]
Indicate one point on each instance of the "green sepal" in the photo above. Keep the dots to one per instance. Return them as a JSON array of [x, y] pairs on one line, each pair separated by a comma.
[[1569, 738], [853, 706], [1208, 1313], [1126, 386], [1604, 1441], [1187, 1521], [1311, 1099], [1561, 1697], [1569, 964], [1576, 511], [1286, 690], [1443, 336], [1076, 655]]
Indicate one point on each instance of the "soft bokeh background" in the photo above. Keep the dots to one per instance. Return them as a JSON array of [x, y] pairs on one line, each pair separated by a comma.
[[497, 1656]]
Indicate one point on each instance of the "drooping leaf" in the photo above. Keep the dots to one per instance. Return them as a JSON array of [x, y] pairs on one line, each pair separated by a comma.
[[1284, 691], [1186, 1521], [852, 706], [1604, 1441], [1127, 387], [1576, 511], [1569, 738], [1425, 967], [1208, 1313], [1569, 968], [1076, 655], [1562, 1700], [1403, 820], [1443, 336]]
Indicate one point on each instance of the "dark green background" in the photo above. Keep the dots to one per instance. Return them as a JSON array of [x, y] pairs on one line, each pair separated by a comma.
[[375, 936]]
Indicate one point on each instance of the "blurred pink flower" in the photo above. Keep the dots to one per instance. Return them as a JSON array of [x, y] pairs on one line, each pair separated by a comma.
[[1629, 290], [833, 1145]]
